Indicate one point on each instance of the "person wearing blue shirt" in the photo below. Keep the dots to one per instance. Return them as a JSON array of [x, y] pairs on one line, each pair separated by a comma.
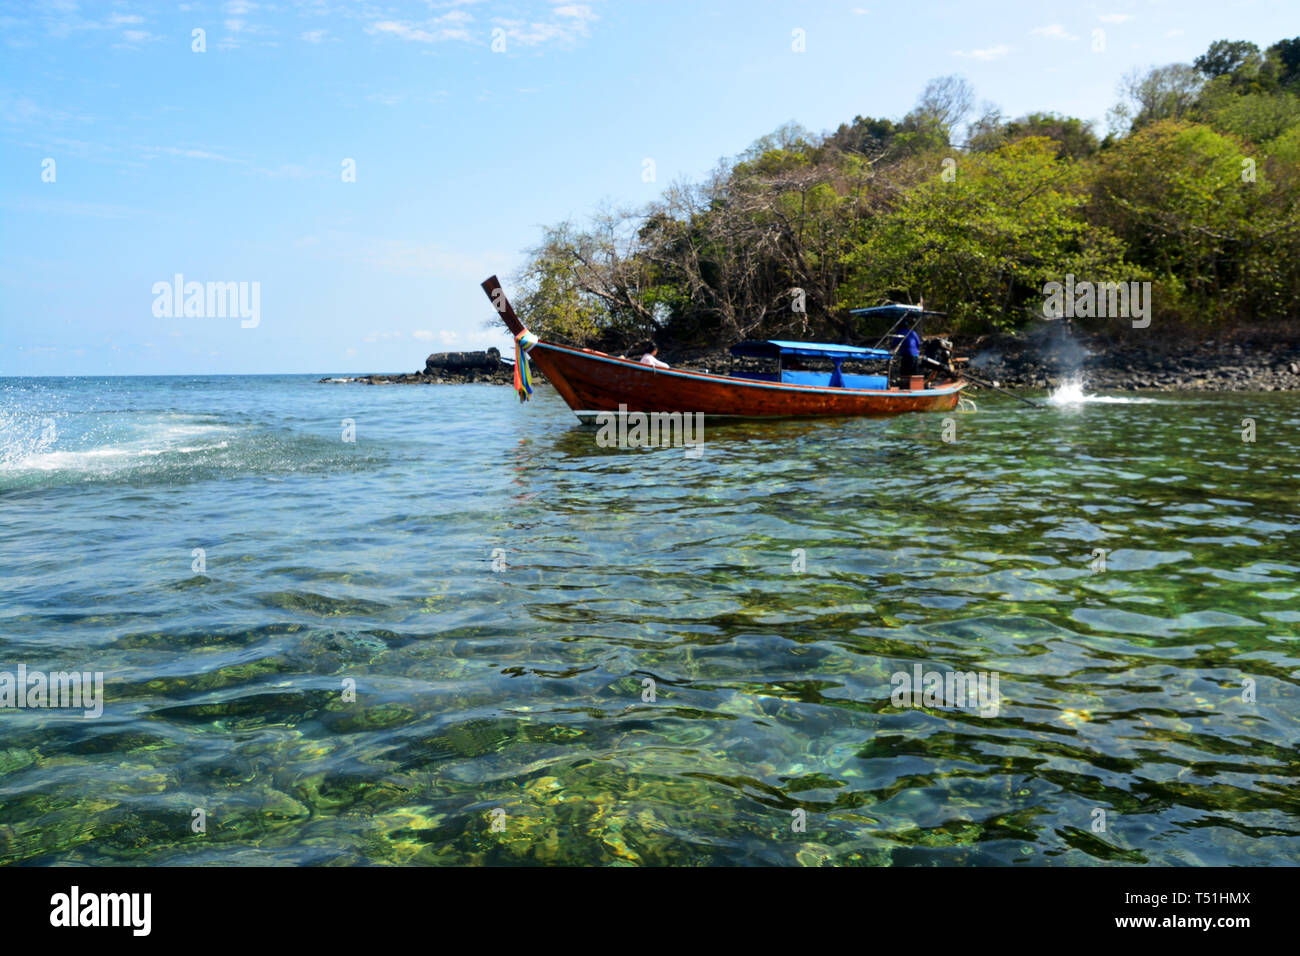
[[909, 354]]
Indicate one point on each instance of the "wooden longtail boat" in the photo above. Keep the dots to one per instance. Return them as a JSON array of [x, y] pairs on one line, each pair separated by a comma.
[[592, 382]]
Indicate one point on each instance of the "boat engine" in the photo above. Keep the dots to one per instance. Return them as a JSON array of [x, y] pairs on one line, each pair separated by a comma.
[[939, 351]]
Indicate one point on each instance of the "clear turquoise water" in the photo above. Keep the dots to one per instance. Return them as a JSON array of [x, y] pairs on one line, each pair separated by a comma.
[[521, 690]]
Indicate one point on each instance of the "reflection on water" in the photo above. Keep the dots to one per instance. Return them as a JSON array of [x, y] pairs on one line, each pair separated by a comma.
[[575, 654]]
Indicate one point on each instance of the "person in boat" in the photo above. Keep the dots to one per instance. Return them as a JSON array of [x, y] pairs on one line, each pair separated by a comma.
[[649, 357], [909, 355]]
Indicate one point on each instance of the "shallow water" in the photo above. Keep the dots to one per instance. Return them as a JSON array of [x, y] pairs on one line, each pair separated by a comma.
[[499, 714]]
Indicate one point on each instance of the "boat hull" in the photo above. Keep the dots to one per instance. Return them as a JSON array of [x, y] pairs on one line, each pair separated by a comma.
[[592, 382]]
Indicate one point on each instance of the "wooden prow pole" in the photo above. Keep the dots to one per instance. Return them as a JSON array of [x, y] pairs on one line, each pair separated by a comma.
[[985, 382], [497, 296]]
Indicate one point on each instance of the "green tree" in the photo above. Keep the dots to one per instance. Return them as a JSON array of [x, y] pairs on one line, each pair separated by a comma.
[[1074, 138], [1197, 209], [1254, 116], [1286, 54], [980, 242], [1225, 57], [866, 135], [1166, 92]]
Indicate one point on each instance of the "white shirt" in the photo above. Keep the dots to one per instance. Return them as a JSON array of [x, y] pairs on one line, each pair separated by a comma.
[[649, 359]]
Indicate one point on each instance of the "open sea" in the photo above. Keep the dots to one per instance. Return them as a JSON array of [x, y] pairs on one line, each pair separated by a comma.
[[473, 635]]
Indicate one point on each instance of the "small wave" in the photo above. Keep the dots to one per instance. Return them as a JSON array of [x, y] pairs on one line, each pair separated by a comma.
[[1072, 393], [152, 447], [184, 449], [27, 451], [23, 437]]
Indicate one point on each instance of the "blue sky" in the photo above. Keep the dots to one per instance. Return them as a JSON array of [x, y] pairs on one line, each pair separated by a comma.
[[227, 165]]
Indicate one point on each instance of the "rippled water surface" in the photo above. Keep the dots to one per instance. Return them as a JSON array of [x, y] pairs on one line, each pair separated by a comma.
[[1148, 710]]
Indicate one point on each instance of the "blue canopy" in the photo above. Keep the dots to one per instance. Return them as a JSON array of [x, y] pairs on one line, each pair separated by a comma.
[[773, 348], [892, 311]]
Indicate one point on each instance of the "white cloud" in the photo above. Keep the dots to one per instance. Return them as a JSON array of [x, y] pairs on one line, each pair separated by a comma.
[[62, 18], [409, 31], [422, 334], [523, 33], [575, 11], [295, 171], [1054, 32], [189, 153], [986, 54], [449, 26], [314, 36], [567, 24], [238, 27]]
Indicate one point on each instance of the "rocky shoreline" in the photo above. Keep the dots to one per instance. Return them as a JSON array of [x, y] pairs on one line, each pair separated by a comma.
[[1137, 363], [503, 376], [1047, 357], [442, 368]]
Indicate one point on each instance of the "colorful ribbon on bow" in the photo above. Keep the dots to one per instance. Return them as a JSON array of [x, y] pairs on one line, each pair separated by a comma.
[[524, 343]]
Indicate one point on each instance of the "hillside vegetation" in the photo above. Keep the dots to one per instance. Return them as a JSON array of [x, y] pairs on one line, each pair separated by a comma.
[[1195, 189]]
